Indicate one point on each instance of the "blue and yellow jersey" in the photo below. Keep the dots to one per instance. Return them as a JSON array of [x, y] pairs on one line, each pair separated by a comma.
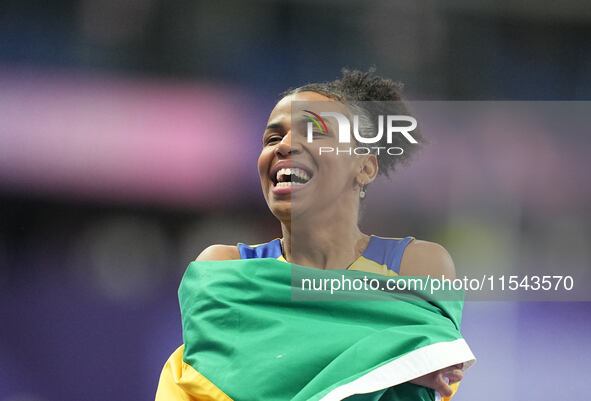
[[181, 381], [382, 255]]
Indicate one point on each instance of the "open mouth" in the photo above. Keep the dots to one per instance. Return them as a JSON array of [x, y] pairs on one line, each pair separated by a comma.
[[291, 176]]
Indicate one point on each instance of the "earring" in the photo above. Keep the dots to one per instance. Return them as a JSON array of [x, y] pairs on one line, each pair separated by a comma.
[[362, 192]]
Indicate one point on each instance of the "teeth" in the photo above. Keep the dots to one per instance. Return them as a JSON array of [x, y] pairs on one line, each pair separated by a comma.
[[288, 184], [295, 171]]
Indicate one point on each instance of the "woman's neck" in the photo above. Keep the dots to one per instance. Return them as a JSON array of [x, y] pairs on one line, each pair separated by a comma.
[[328, 245]]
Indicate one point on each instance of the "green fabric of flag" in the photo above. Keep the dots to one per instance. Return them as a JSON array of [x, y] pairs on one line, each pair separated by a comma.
[[252, 331]]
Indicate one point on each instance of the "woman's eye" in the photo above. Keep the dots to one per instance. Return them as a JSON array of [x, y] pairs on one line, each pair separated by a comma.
[[271, 139], [318, 133], [315, 132]]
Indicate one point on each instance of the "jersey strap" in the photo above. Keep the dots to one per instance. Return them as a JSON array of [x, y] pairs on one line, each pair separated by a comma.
[[270, 249], [386, 252], [383, 255]]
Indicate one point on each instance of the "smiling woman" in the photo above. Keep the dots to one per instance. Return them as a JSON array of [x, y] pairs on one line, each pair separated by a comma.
[[316, 198]]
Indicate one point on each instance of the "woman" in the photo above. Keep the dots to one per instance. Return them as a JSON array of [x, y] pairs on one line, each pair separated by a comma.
[[316, 195]]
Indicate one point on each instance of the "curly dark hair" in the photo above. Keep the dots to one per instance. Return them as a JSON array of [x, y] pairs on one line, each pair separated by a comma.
[[375, 95]]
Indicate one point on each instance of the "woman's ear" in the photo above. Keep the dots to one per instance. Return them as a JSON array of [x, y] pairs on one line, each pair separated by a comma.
[[368, 171]]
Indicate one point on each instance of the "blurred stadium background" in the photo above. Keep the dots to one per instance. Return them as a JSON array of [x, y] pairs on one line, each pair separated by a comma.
[[109, 111]]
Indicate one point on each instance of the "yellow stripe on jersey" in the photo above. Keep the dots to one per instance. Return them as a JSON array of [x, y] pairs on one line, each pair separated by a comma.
[[367, 265], [364, 265]]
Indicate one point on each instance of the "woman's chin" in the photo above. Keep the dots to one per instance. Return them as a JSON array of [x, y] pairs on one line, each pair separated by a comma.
[[287, 212], [286, 202], [282, 212]]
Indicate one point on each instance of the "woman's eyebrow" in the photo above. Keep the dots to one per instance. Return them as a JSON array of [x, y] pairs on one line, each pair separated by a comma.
[[330, 125], [275, 126]]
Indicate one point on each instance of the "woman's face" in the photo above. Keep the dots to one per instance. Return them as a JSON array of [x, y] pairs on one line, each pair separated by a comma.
[[296, 179]]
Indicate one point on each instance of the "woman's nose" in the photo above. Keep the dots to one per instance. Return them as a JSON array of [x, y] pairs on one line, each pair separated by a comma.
[[286, 146]]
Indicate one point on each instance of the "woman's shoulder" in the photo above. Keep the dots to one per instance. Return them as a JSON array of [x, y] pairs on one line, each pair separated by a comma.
[[219, 252], [426, 258]]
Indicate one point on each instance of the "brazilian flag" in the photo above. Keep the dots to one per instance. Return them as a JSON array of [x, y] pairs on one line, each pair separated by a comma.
[[254, 330]]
